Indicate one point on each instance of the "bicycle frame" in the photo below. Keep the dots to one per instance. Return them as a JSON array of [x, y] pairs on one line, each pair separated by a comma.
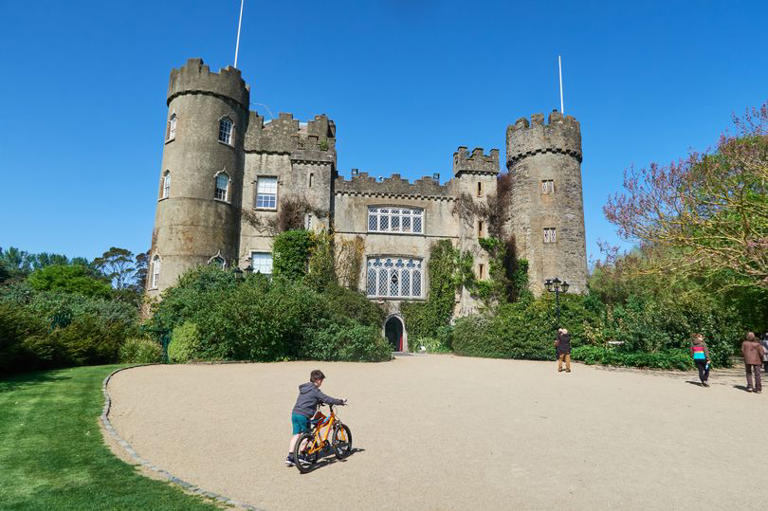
[[319, 441]]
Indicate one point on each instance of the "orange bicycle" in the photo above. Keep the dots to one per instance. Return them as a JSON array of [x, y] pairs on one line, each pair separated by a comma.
[[311, 445]]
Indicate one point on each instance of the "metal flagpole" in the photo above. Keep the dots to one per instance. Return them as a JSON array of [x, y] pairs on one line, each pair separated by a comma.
[[239, 24], [559, 67]]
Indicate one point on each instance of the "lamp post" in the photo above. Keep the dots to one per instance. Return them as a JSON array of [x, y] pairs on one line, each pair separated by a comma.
[[557, 286]]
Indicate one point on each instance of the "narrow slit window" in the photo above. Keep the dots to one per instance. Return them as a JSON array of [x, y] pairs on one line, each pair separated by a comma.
[[481, 271], [480, 229], [171, 131], [479, 189], [165, 187], [155, 272], [311, 178]]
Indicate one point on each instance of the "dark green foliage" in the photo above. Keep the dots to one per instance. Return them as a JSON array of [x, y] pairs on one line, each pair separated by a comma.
[[445, 278], [76, 279], [266, 319], [291, 251], [16, 325], [185, 344], [667, 359], [321, 272], [140, 350], [352, 342]]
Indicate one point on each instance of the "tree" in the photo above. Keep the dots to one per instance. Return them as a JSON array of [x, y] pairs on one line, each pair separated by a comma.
[[709, 212], [76, 279], [118, 265]]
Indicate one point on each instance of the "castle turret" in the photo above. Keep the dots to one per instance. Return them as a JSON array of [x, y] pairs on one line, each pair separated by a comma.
[[546, 211], [200, 194]]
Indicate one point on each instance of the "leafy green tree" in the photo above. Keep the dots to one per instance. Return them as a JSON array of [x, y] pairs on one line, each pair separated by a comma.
[[75, 279]]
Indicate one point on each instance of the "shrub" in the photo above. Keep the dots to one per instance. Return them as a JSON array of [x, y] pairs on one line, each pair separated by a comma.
[[185, 344], [352, 342], [16, 324], [140, 350], [667, 359]]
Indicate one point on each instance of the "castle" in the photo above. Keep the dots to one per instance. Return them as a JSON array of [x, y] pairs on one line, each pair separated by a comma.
[[227, 173]]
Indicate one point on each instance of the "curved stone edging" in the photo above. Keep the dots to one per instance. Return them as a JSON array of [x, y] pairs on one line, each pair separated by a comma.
[[164, 474]]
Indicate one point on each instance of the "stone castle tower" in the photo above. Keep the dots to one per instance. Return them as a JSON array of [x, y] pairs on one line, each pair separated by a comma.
[[546, 211], [227, 173]]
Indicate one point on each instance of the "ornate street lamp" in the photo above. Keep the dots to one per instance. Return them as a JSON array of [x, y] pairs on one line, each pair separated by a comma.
[[557, 286]]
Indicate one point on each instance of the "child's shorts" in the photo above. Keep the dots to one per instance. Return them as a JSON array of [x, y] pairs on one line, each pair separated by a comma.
[[300, 423]]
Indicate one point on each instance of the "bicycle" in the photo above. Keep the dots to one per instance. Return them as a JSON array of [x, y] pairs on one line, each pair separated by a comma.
[[311, 444]]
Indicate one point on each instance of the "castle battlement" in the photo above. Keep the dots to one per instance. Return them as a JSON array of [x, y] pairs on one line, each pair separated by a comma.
[[197, 78], [477, 162], [393, 186], [561, 134], [314, 140]]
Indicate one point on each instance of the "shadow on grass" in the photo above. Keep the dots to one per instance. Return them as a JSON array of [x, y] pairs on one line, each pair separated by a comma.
[[27, 380], [329, 459]]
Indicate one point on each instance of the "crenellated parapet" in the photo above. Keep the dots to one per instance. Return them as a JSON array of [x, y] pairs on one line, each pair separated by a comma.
[[196, 78], [476, 163], [314, 140], [561, 134], [393, 187]]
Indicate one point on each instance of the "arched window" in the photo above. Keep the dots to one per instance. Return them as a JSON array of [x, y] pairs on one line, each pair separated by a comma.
[[170, 132], [225, 130], [218, 261], [155, 279], [165, 185], [222, 186]]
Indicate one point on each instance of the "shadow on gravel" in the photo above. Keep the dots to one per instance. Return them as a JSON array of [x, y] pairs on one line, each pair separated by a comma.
[[741, 387], [697, 383], [330, 459]]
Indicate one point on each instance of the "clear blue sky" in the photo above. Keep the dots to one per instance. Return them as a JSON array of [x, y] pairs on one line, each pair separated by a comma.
[[83, 84]]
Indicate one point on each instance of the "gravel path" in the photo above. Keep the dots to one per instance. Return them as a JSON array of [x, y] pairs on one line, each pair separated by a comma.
[[449, 433]]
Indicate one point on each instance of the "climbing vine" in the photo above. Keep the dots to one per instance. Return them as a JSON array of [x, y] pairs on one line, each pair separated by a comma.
[[291, 215], [349, 261]]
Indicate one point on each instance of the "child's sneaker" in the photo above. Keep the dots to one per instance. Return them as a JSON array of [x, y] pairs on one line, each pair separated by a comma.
[[289, 460]]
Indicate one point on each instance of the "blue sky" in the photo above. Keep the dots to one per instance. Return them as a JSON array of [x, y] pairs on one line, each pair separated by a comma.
[[83, 83]]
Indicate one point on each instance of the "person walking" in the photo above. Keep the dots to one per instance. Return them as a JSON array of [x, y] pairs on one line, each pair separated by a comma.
[[700, 354], [764, 344], [753, 358], [563, 345]]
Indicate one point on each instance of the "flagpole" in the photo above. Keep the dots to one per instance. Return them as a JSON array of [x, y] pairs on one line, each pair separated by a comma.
[[560, 69], [239, 24]]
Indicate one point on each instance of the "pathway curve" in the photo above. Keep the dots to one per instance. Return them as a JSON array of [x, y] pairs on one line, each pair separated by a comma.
[[450, 433]]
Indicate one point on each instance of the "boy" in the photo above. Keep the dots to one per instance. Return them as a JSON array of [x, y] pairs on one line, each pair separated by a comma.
[[306, 406]]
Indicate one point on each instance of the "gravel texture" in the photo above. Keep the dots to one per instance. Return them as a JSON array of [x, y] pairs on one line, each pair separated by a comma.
[[440, 432]]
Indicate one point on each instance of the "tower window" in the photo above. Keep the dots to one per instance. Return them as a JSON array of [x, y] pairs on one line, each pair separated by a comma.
[[155, 272], [266, 192], [218, 261], [311, 176], [261, 262], [165, 185], [225, 130], [547, 186], [480, 229], [479, 189], [222, 186], [550, 235], [170, 133], [481, 271]]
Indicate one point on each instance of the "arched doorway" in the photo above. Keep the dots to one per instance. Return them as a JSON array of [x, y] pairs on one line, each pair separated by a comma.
[[393, 331]]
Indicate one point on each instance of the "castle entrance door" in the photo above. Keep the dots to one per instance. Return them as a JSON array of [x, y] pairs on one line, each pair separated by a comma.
[[393, 330]]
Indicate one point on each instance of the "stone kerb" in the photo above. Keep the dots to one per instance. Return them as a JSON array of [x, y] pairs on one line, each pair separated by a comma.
[[196, 77], [164, 474], [562, 134]]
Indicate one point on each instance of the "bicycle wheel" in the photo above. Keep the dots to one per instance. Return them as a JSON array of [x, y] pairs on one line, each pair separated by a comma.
[[341, 441], [301, 458]]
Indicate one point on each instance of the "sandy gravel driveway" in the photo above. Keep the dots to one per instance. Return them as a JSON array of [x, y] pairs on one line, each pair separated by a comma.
[[449, 433]]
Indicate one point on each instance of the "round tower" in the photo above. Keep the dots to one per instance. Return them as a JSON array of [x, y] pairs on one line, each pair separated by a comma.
[[200, 185], [545, 205]]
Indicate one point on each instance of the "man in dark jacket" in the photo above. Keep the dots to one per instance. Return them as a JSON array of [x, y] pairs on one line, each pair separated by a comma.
[[753, 357], [306, 406], [563, 345]]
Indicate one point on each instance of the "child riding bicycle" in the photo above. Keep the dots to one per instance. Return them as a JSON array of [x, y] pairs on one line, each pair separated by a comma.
[[306, 406]]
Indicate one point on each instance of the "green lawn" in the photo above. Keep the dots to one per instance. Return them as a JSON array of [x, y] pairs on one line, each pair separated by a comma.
[[51, 452]]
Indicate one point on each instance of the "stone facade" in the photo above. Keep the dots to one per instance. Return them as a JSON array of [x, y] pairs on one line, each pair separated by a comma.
[[228, 174]]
